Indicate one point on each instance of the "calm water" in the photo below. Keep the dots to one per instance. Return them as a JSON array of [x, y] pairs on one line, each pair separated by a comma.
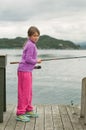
[[56, 82]]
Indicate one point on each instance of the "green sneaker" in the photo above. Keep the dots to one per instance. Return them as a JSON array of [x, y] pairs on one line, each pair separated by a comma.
[[22, 118], [32, 114]]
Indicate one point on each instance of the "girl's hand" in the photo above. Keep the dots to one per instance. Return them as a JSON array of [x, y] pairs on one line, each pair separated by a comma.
[[39, 61]]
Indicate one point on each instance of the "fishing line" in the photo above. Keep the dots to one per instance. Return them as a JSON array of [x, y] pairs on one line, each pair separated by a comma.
[[63, 58]]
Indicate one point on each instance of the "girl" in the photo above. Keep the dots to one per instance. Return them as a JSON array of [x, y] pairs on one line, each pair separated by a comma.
[[26, 65]]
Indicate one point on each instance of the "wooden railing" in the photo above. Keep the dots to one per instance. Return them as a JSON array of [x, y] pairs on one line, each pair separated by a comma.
[[3, 60], [83, 100]]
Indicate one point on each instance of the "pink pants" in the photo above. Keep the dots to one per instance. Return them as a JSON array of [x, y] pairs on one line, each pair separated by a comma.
[[24, 92]]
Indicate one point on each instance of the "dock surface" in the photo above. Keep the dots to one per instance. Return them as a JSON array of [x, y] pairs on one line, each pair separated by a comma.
[[51, 117]]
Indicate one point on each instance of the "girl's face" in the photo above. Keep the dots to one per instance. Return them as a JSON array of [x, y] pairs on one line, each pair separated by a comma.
[[34, 37]]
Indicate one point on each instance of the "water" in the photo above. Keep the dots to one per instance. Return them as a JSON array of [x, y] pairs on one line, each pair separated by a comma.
[[58, 81]]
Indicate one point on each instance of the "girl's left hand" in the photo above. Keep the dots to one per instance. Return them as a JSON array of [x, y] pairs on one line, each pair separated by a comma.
[[39, 61]]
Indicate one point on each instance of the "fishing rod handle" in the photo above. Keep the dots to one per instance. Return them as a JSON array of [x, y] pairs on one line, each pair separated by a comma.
[[16, 62], [36, 67]]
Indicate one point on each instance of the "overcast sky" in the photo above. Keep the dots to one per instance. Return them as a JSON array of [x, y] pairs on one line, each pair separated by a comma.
[[62, 19]]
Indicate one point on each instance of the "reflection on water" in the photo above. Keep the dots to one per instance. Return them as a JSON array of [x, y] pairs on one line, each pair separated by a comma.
[[58, 81]]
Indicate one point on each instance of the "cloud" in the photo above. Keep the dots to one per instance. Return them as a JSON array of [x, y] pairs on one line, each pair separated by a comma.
[[61, 19]]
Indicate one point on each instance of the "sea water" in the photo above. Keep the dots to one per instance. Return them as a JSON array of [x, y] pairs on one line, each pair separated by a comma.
[[57, 82]]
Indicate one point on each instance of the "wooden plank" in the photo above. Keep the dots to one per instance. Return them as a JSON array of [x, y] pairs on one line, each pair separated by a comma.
[[20, 125], [48, 118], [6, 117], [51, 117], [65, 118], [77, 110], [40, 121], [12, 121], [31, 125], [74, 118], [56, 118], [25, 125]]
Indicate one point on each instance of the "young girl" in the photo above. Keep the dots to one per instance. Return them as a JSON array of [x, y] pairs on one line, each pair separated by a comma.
[[26, 65]]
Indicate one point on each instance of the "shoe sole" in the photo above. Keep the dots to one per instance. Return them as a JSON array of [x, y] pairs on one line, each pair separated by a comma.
[[17, 119], [32, 116]]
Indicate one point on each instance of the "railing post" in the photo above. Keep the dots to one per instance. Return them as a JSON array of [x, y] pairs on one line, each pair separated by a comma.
[[83, 97], [83, 100], [3, 60]]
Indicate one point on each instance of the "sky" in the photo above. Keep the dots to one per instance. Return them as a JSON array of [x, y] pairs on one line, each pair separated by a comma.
[[62, 19]]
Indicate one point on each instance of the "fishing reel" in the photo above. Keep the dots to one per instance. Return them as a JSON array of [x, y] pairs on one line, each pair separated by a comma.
[[37, 67]]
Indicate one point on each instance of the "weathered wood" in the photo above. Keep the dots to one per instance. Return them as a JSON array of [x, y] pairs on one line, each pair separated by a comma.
[[31, 125], [3, 62], [85, 105], [73, 117], [20, 126], [57, 121], [83, 100], [12, 122], [82, 114], [51, 117], [40, 121], [1, 93], [48, 118], [65, 118], [81, 120], [6, 117]]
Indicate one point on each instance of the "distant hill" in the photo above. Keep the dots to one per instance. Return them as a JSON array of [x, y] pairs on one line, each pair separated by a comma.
[[82, 45], [49, 42], [45, 42]]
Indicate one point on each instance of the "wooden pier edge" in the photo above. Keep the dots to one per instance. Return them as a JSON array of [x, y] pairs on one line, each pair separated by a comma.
[[51, 117]]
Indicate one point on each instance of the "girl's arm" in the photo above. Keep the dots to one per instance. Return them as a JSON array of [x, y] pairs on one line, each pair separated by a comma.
[[31, 55]]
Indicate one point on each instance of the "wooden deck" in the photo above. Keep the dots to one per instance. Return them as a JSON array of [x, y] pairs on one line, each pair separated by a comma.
[[51, 117]]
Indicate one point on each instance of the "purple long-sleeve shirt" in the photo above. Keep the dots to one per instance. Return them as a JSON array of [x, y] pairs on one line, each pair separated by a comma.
[[29, 57]]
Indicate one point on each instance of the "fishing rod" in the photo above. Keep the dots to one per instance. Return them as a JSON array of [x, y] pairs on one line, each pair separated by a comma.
[[63, 58], [36, 67], [49, 59]]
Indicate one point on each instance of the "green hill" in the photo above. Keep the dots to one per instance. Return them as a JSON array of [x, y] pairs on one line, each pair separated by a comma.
[[45, 42], [49, 42]]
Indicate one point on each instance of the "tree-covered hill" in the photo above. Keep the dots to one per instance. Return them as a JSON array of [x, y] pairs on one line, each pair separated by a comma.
[[12, 43], [45, 42], [49, 42]]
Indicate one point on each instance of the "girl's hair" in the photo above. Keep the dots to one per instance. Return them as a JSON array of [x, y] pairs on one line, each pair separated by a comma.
[[32, 30]]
